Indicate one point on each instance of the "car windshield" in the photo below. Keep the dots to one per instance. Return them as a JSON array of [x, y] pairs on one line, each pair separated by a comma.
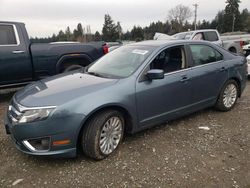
[[183, 36], [121, 62]]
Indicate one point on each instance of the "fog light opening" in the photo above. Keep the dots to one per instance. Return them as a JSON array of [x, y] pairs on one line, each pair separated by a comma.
[[38, 144]]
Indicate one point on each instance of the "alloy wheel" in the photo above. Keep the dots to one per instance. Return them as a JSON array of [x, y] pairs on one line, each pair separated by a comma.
[[111, 134]]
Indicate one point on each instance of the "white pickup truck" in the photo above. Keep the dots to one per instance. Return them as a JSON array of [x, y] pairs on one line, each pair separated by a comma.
[[205, 34]]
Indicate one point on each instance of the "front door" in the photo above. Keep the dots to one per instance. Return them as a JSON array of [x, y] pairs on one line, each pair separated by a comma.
[[161, 100]]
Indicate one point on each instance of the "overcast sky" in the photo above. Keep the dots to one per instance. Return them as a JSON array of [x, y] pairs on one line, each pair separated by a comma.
[[45, 17]]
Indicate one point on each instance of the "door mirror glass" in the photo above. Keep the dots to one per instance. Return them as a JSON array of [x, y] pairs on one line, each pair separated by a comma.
[[155, 74]]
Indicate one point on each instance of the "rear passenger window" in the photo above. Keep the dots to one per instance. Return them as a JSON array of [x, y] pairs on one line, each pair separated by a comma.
[[7, 35], [211, 36], [203, 54]]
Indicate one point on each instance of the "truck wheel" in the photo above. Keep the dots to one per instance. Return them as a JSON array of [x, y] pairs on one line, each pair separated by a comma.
[[103, 134], [232, 49], [72, 68], [228, 96]]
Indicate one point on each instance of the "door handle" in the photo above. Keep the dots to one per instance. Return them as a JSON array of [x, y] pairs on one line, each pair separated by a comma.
[[222, 69], [18, 52], [184, 79]]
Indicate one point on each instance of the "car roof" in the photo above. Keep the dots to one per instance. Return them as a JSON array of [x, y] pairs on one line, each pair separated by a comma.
[[160, 43]]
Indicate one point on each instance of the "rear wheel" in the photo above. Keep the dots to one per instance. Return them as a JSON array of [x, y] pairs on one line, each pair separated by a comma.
[[228, 96], [103, 134], [232, 49]]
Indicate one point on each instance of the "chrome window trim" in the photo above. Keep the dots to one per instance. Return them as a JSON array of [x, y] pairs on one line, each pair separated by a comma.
[[178, 71], [16, 35], [190, 68], [215, 62]]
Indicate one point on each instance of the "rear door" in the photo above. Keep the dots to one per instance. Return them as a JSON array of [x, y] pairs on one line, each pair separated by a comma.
[[15, 63], [208, 74]]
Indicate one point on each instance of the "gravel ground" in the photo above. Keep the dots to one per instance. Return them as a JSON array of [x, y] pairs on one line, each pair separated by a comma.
[[178, 154]]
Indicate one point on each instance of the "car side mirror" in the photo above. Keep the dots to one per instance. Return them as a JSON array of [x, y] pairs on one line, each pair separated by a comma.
[[155, 74]]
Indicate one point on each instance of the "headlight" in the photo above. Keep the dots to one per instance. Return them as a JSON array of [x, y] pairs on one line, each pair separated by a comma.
[[35, 115]]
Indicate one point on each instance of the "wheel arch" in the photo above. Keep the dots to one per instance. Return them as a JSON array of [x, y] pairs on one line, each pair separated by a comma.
[[232, 49], [82, 59], [238, 82], [127, 118]]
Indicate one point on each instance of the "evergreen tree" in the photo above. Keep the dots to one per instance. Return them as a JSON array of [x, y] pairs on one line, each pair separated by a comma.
[[137, 33], [232, 16], [245, 20], [109, 30], [68, 34], [61, 36], [97, 36]]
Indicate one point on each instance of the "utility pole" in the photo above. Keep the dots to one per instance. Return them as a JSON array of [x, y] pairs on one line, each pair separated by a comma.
[[195, 14]]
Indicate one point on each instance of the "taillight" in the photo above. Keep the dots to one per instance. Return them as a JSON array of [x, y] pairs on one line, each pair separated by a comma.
[[105, 49], [241, 44]]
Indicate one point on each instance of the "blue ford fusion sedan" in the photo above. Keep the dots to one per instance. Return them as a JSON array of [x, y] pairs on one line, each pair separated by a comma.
[[130, 89]]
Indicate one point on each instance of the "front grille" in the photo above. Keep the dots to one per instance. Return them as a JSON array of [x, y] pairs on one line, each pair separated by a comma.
[[13, 113]]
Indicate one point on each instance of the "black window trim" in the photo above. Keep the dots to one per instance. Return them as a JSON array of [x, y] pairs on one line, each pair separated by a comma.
[[16, 35]]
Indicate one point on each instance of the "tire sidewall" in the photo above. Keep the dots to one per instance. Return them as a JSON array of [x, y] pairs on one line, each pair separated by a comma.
[[98, 136]]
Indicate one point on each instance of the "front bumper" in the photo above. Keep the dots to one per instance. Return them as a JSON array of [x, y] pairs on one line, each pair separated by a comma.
[[55, 129]]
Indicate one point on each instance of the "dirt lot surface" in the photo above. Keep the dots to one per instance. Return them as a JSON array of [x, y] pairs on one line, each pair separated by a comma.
[[178, 154]]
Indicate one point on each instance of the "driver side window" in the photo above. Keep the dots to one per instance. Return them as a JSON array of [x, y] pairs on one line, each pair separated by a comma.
[[170, 60]]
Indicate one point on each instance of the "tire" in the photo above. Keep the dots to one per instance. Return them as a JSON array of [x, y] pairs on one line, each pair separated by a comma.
[[94, 132], [228, 96], [72, 68], [233, 50]]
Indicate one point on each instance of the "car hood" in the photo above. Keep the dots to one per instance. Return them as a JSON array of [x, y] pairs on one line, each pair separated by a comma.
[[60, 89]]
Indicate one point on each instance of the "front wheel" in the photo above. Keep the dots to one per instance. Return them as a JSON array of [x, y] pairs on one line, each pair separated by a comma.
[[103, 134], [228, 96]]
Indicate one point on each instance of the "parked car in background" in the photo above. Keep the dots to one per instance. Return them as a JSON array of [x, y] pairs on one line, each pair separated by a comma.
[[130, 89], [246, 49], [22, 62]]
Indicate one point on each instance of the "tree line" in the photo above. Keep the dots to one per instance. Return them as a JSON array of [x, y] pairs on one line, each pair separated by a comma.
[[228, 20]]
